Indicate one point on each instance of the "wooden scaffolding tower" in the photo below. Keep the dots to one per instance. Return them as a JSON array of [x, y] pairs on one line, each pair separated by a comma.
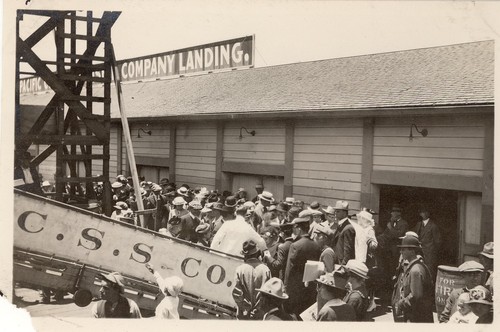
[[82, 117]]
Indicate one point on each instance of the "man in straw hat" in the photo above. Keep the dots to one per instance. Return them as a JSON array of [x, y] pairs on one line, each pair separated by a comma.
[[271, 300], [204, 234], [471, 272], [481, 302], [171, 287], [331, 306], [343, 239], [301, 250], [113, 304], [357, 295], [178, 210], [250, 276], [190, 221], [323, 239], [413, 294]]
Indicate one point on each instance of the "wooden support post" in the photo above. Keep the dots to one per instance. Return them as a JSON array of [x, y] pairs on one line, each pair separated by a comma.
[[128, 139]]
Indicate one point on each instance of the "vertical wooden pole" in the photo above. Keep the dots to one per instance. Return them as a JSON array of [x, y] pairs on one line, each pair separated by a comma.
[[60, 165], [128, 139], [89, 104]]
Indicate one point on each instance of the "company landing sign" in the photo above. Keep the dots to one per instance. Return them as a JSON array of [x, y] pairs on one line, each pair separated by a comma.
[[223, 55]]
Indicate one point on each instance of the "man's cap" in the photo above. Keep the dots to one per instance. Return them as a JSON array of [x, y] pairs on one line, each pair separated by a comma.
[[321, 229], [480, 294], [202, 228], [266, 196], [471, 266], [115, 278], [178, 201], [341, 205], [273, 287], [116, 185], [357, 267], [410, 242], [249, 248], [195, 205], [300, 220], [487, 250]]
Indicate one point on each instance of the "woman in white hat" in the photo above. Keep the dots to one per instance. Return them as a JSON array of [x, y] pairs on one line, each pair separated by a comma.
[[171, 287]]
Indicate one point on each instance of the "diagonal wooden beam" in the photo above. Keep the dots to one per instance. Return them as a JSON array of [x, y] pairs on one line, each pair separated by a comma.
[[62, 90], [43, 30]]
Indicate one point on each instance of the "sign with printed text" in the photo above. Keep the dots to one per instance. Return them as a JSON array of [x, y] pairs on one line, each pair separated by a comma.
[[53, 228], [223, 55]]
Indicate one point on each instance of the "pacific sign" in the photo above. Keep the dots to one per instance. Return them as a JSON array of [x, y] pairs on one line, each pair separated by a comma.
[[52, 228], [228, 54]]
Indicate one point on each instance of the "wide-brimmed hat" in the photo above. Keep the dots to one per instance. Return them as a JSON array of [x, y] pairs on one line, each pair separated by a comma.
[[116, 185], [249, 248], [182, 191], [156, 188], [289, 201], [266, 196], [365, 215], [45, 183], [357, 267], [114, 278], [341, 205], [410, 242], [487, 250], [202, 228], [173, 285], [178, 201], [308, 212], [409, 233], [195, 205], [329, 280], [480, 294], [471, 266], [273, 287], [329, 210]]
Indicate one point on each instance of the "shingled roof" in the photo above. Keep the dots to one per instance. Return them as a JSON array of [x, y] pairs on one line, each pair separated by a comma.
[[460, 74]]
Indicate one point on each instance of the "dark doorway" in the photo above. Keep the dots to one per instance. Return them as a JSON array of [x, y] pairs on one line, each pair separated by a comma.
[[443, 206]]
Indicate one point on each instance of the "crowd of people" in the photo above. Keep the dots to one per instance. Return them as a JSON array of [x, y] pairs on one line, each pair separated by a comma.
[[277, 239]]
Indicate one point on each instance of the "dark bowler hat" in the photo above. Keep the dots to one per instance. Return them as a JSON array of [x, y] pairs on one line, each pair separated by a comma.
[[410, 242], [230, 203], [249, 248]]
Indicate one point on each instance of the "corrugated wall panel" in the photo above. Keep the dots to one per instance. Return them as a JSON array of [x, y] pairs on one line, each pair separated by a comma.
[[327, 161], [267, 146], [195, 154], [453, 145]]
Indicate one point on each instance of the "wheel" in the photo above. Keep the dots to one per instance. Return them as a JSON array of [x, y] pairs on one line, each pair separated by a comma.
[[82, 297]]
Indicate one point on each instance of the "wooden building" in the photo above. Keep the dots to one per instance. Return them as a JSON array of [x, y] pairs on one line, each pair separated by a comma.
[[336, 129]]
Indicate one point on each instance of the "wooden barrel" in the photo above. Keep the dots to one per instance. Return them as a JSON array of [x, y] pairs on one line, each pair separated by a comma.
[[448, 278]]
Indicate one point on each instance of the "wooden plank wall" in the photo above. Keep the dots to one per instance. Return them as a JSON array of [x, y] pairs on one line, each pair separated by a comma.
[[195, 154], [267, 146], [113, 152], [327, 161], [156, 145], [453, 145]]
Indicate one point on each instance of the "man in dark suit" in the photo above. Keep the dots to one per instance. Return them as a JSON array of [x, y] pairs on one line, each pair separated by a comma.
[[343, 239], [388, 243], [158, 202], [190, 221], [430, 238], [301, 250], [279, 263]]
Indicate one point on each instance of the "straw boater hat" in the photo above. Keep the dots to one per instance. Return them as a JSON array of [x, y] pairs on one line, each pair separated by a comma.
[[178, 201], [273, 287], [266, 196], [357, 267], [480, 294], [155, 188], [341, 205], [487, 250], [45, 183], [116, 185], [289, 201], [182, 191]]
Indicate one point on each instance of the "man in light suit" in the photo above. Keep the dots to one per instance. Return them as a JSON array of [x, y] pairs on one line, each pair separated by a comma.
[[430, 238], [343, 239]]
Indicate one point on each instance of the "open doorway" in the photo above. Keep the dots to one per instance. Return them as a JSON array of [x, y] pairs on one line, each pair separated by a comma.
[[443, 208]]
